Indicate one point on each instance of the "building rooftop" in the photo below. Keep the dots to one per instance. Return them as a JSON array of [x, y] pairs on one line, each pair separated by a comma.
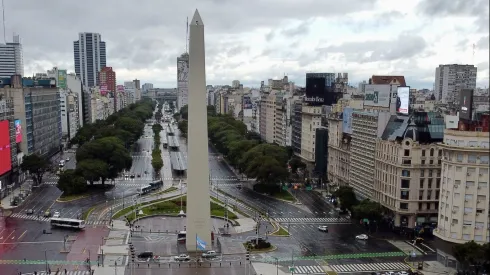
[[423, 127], [387, 79]]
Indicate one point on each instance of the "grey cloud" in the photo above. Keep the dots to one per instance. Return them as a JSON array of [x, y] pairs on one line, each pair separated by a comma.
[[482, 66], [482, 23], [384, 19], [269, 36], [405, 46], [301, 29], [453, 7], [483, 43], [236, 50]]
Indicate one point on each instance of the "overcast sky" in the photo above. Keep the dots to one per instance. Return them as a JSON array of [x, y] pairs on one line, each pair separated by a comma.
[[254, 40]]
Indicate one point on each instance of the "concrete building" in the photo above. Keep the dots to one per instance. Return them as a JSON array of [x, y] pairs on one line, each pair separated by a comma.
[[107, 78], [90, 57], [182, 79], [146, 87], [338, 151], [311, 117], [366, 128], [12, 58], [70, 122], [451, 78], [7, 113], [464, 201], [407, 177], [296, 127], [267, 112]]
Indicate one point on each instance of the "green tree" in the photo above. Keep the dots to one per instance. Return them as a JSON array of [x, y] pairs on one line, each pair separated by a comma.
[[211, 110], [347, 197], [238, 148], [92, 170], [36, 165], [368, 209], [184, 112], [267, 170], [131, 125], [295, 163], [182, 126], [156, 160], [71, 183], [109, 150], [471, 255]]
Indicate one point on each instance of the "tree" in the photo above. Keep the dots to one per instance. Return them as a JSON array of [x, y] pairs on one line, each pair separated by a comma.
[[92, 170], [295, 163], [368, 209], [36, 166], [471, 254], [236, 149], [184, 112], [131, 125], [347, 197], [71, 183], [111, 151], [211, 110], [267, 170], [182, 126], [156, 160]]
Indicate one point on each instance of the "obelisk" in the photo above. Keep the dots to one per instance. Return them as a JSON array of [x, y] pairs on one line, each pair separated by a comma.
[[198, 202]]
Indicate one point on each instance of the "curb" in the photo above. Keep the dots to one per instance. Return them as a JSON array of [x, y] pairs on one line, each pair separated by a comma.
[[278, 229], [273, 248], [80, 198]]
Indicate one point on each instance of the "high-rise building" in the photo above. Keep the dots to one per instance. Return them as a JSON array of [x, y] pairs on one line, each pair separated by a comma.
[[90, 57], [11, 58], [107, 77], [464, 206], [451, 78], [146, 87], [182, 79]]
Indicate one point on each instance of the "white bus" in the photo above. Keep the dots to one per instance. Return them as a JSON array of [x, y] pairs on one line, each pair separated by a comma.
[[70, 223]]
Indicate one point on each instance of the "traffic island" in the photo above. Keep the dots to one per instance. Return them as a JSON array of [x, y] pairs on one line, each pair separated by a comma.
[[280, 232], [262, 247]]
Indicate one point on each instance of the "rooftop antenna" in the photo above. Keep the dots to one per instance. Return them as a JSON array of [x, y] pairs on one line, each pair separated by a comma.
[[186, 34], [3, 19]]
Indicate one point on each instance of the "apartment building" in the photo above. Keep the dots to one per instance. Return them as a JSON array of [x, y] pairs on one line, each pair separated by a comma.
[[338, 151], [7, 113], [451, 78], [70, 123], [311, 117], [407, 177], [296, 128], [464, 202], [366, 128], [12, 58], [267, 117], [90, 57]]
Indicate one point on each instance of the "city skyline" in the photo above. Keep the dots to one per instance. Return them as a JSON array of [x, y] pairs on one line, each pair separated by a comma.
[[261, 45]]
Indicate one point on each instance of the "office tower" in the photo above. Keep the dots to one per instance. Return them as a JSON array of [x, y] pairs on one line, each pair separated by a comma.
[[182, 79], [11, 59], [450, 79], [90, 57]]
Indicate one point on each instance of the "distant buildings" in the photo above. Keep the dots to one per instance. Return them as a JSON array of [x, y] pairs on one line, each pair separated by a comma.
[[182, 79], [90, 57], [450, 79], [11, 59]]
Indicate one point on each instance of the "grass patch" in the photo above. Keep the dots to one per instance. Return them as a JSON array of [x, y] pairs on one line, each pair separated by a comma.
[[258, 250], [281, 232], [87, 212], [235, 209], [172, 207], [171, 189], [284, 195]]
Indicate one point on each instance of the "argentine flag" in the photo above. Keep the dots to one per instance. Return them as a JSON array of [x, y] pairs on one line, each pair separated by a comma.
[[200, 243]]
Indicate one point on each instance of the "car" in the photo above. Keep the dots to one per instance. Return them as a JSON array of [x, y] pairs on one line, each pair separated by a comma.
[[402, 273], [182, 258], [47, 214], [209, 254], [362, 237], [132, 176], [56, 214], [67, 159], [323, 228], [30, 211], [139, 175], [145, 255]]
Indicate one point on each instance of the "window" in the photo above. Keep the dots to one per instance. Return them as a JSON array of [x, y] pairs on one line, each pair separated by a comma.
[[437, 194], [423, 153], [405, 184], [470, 183], [421, 195], [456, 196], [420, 206], [459, 169], [422, 184], [483, 171], [406, 153], [431, 161], [407, 161], [404, 195], [468, 197], [454, 221], [438, 183], [478, 238], [422, 173], [440, 153], [459, 157], [482, 185], [422, 161], [468, 210], [430, 173], [429, 194], [429, 184], [467, 223], [472, 159], [432, 152], [405, 173], [484, 159], [403, 205], [466, 237]]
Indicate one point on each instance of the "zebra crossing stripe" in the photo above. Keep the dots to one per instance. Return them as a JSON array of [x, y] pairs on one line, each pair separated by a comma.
[[308, 269], [29, 217], [347, 268], [72, 272], [312, 220]]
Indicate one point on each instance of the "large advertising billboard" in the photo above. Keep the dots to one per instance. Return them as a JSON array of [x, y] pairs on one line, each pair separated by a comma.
[[18, 131], [377, 95], [315, 91], [62, 79], [451, 121], [466, 103], [347, 120], [403, 100], [6, 161], [182, 71], [247, 102]]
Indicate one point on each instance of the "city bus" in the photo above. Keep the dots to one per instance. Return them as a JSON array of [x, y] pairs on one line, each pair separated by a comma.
[[69, 223], [181, 236], [153, 186]]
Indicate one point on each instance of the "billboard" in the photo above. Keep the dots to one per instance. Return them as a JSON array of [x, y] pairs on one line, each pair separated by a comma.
[[120, 88], [3, 106], [466, 104], [103, 89], [18, 131], [182, 71], [451, 122], [377, 95], [6, 163], [62, 79], [347, 120], [315, 91], [402, 100], [247, 102]]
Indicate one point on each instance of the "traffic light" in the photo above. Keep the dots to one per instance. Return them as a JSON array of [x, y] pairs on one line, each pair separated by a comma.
[[131, 248], [247, 256]]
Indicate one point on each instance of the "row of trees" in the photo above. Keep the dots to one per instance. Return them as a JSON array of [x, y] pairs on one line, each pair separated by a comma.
[[473, 256], [156, 154], [365, 209], [104, 147]]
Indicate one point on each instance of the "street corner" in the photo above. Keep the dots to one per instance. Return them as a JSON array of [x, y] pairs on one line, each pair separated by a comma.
[[6, 212]]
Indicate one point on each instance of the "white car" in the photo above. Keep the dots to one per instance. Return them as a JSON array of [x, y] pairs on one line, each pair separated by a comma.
[[362, 237], [56, 214], [209, 254], [323, 228], [402, 273], [182, 258]]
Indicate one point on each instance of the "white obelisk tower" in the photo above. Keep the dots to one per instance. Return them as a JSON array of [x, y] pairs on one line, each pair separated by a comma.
[[198, 202]]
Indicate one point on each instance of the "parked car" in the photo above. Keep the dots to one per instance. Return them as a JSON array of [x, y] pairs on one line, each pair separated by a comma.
[[30, 211], [209, 254], [56, 214], [145, 255], [182, 258], [323, 228], [47, 214], [362, 237]]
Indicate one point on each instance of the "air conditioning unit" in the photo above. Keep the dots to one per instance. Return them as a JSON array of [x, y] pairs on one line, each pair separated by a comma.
[[468, 174], [478, 201], [454, 211], [465, 200], [479, 188], [481, 174], [478, 214]]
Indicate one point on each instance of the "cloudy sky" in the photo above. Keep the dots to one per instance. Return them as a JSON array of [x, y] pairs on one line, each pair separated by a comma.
[[254, 40]]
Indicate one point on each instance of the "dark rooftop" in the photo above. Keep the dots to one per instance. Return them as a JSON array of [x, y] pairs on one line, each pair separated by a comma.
[[424, 127]]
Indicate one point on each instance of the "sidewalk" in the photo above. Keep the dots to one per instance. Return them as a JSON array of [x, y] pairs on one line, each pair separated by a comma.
[[267, 269], [24, 188]]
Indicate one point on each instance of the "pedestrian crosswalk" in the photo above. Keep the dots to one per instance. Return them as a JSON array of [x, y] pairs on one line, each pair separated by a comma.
[[29, 217], [71, 272], [312, 220], [307, 269], [350, 268]]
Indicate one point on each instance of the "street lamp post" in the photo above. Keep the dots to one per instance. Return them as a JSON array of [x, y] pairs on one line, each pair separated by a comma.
[[46, 260]]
